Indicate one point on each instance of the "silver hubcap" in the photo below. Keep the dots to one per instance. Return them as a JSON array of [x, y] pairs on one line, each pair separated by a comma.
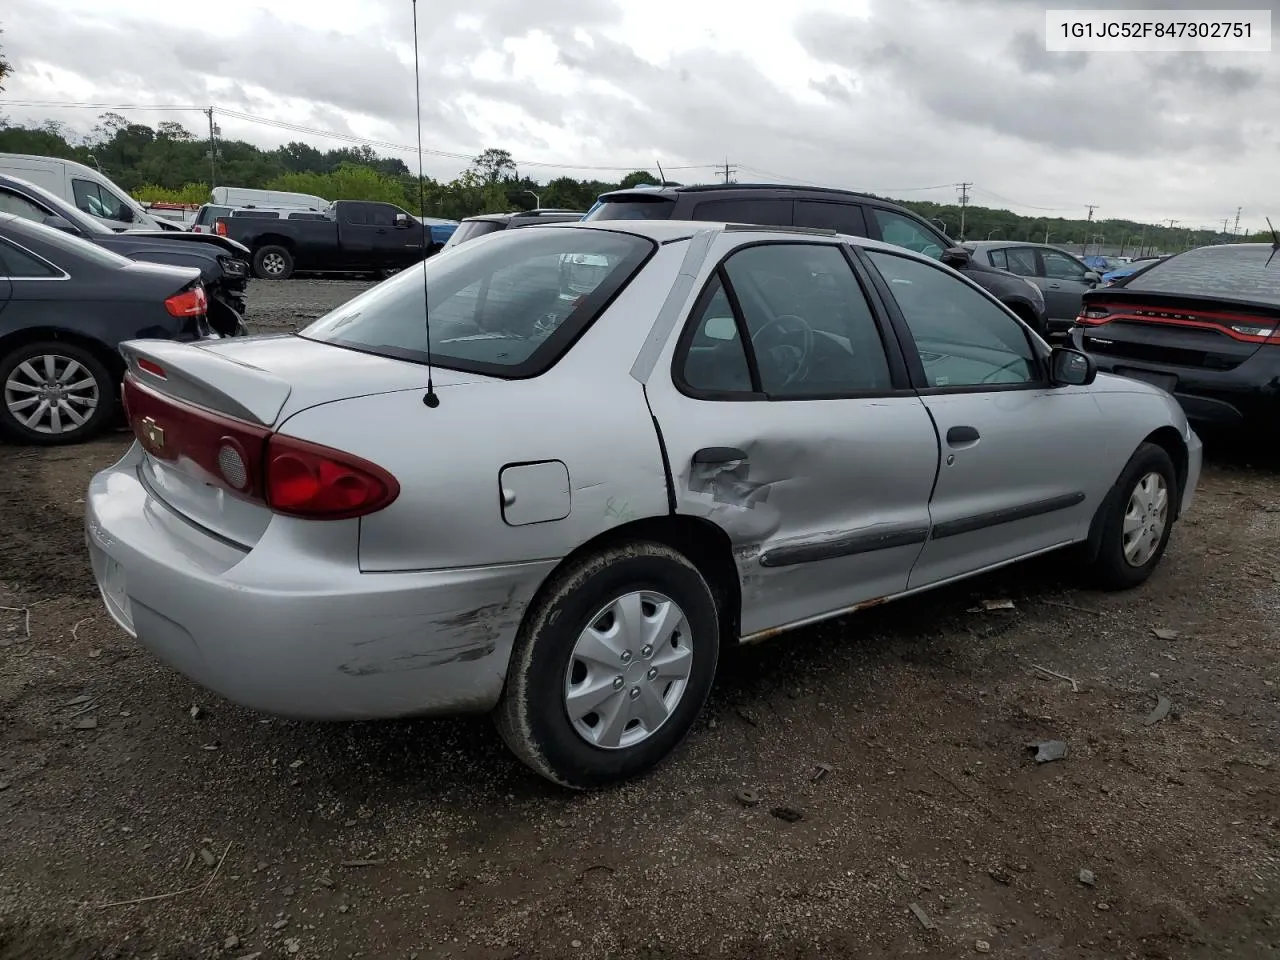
[[273, 263], [1145, 519], [628, 671], [51, 394]]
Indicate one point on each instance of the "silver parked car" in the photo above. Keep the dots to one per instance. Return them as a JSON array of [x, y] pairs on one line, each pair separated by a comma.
[[1063, 277], [634, 442]]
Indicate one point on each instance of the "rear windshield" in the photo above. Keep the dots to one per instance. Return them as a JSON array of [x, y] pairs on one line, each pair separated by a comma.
[[1229, 272], [470, 229], [509, 305], [632, 208]]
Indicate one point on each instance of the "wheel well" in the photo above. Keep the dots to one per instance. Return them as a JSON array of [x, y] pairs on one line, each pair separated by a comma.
[[273, 240], [110, 358], [1171, 441], [1024, 312], [705, 545]]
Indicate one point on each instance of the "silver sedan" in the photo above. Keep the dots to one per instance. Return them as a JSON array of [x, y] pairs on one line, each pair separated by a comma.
[[551, 472]]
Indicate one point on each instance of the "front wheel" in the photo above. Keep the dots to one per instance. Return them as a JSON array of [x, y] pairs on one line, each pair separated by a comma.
[[54, 393], [611, 666], [1139, 520]]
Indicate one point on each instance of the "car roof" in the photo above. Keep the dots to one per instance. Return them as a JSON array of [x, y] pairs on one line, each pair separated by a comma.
[[649, 191], [521, 215], [670, 231]]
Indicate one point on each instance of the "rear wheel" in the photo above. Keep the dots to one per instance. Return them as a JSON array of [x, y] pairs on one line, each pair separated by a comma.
[[611, 666], [54, 393], [1139, 520], [273, 263]]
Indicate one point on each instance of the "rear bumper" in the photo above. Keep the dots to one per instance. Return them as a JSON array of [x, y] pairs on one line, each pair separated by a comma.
[[1247, 394], [292, 627]]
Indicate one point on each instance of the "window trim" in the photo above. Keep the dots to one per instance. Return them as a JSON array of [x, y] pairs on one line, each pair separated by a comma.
[[7, 241], [911, 349], [899, 373]]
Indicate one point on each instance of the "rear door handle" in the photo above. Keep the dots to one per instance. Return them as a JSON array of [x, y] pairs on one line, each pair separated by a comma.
[[719, 455], [959, 435]]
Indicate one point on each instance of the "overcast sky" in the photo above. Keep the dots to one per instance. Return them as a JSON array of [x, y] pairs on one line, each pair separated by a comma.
[[905, 97]]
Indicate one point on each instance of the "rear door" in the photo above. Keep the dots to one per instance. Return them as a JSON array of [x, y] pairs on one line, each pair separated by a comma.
[[1064, 284], [1020, 469], [788, 422]]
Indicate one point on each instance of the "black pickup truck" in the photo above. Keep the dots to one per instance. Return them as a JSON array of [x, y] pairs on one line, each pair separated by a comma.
[[223, 264], [354, 236]]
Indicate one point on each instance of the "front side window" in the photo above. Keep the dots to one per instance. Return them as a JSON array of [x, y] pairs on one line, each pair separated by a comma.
[[809, 328], [98, 202], [509, 306], [1058, 266], [904, 232], [964, 340]]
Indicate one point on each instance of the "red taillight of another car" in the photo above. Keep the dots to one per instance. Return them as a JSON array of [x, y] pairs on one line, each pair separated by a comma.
[[220, 228], [287, 475], [188, 303], [1093, 316]]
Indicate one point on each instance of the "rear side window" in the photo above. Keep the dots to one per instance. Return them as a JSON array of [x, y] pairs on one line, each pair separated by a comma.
[[842, 217], [470, 229], [771, 213], [1248, 271], [355, 215], [633, 208], [509, 307], [18, 264], [20, 207]]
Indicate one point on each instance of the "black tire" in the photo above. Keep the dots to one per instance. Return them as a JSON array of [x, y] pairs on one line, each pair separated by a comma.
[[532, 717], [1110, 569], [1028, 316], [104, 388], [272, 263]]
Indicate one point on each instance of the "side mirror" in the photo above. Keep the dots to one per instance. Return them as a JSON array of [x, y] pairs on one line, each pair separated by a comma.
[[402, 221], [1092, 276], [1069, 367], [60, 223], [956, 257]]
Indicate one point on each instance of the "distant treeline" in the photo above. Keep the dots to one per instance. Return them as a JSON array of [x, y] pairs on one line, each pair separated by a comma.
[[170, 163]]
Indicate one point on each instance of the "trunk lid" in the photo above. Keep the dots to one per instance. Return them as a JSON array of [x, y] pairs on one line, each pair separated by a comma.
[[187, 401], [1183, 330]]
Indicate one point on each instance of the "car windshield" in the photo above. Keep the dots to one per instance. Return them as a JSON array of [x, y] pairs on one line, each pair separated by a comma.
[[632, 208], [509, 304], [1244, 271]]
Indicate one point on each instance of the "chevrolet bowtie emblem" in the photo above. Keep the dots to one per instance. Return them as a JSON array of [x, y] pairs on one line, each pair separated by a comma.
[[153, 432]]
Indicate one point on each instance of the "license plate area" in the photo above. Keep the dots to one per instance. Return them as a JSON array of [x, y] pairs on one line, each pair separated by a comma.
[[1165, 381]]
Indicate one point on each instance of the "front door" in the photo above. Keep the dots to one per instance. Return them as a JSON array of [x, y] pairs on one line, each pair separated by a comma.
[[1064, 285], [789, 425], [1020, 469]]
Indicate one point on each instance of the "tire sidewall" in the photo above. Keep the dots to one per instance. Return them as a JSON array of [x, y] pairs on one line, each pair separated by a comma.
[[263, 253], [1148, 458], [546, 642], [12, 429]]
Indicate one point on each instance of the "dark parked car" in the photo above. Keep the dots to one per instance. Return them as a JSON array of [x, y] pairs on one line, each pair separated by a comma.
[[352, 236], [478, 226], [1204, 325], [65, 307], [223, 264], [854, 214]]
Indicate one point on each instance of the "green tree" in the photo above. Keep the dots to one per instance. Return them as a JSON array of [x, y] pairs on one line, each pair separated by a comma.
[[638, 178], [5, 69], [494, 165]]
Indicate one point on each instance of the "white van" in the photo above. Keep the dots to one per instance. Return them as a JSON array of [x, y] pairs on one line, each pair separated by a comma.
[[271, 199], [85, 188]]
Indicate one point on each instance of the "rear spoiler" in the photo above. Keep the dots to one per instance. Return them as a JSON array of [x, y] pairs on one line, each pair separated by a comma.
[[201, 376]]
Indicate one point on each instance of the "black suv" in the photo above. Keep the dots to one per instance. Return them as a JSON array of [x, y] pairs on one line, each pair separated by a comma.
[[855, 214], [478, 226]]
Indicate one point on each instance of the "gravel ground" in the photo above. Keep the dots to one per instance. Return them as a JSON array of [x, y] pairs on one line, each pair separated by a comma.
[[142, 817]]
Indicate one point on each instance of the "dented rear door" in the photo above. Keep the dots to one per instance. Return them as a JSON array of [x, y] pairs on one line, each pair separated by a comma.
[[819, 473]]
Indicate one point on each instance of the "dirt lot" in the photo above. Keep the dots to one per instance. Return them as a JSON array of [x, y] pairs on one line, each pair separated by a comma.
[[257, 837]]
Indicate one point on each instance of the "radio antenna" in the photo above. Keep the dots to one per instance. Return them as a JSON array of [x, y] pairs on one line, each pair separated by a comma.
[[431, 400], [661, 176]]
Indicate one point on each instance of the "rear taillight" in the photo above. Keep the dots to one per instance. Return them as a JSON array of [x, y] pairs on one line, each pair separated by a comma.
[[220, 228], [189, 303], [1093, 316], [318, 483]]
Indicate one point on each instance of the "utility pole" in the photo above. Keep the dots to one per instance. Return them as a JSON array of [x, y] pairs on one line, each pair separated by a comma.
[[728, 171], [1225, 221], [1235, 232], [964, 201], [213, 150]]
